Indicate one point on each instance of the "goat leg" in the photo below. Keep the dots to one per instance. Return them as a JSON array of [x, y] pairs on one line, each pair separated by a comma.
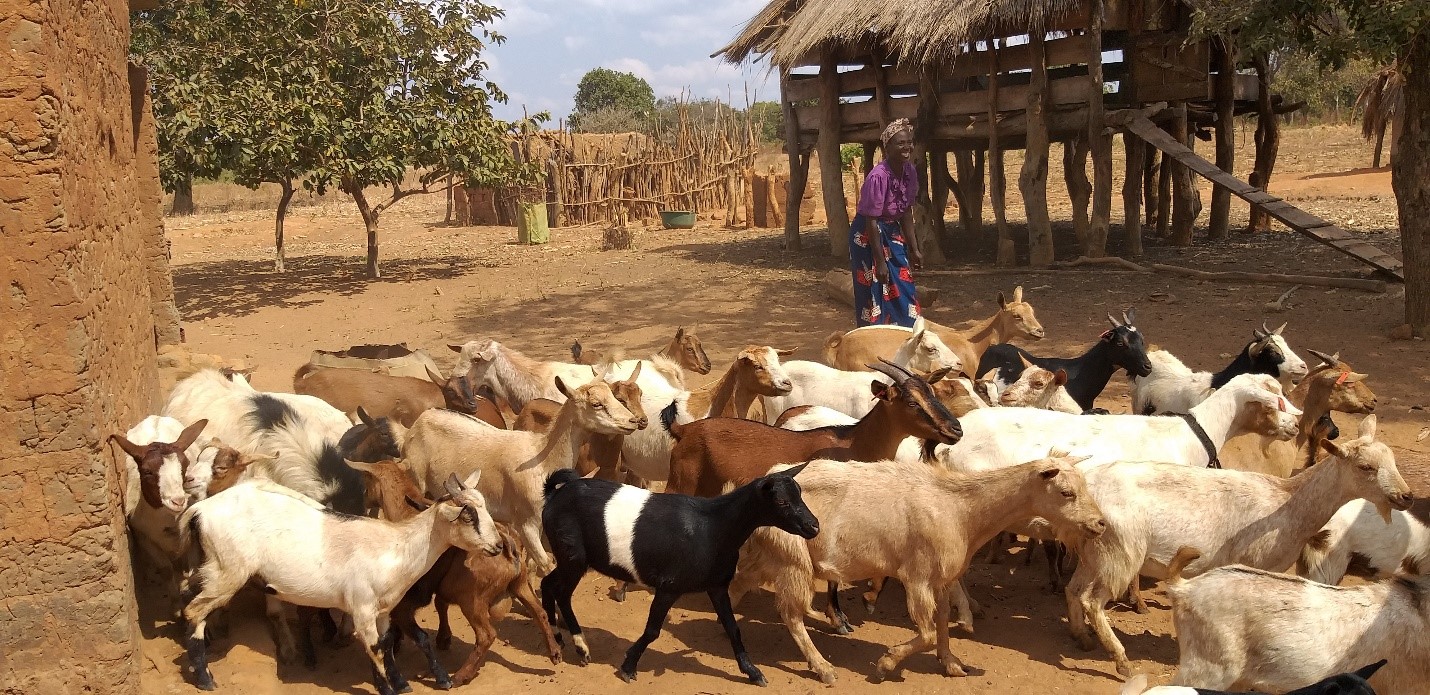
[[836, 616], [521, 588], [444, 629], [659, 608], [305, 636], [404, 623], [720, 596], [871, 597], [389, 661]]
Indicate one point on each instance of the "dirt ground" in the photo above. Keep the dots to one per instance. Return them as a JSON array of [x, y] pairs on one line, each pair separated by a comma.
[[734, 287]]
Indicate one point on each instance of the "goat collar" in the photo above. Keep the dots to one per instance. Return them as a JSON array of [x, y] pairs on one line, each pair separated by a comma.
[[1191, 420]]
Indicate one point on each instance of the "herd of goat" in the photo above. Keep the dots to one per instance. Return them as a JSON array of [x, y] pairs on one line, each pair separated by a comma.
[[902, 457]]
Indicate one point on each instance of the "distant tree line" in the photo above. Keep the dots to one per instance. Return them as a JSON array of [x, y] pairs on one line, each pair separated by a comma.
[[608, 101]]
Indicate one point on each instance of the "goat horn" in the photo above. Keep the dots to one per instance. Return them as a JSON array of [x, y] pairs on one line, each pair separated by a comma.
[[1115, 324], [1282, 327], [1328, 359], [909, 374], [1264, 329], [1127, 316], [889, 371]]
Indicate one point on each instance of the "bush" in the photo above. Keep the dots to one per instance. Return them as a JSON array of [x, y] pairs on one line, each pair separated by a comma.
[[848, 154]]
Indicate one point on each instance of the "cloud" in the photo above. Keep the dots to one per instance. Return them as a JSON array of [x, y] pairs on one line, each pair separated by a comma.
[[702, 77], [574, 43], [523, 20]]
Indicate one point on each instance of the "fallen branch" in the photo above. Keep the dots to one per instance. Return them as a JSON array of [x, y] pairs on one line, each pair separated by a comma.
[[1275, 278], [1106, 260]]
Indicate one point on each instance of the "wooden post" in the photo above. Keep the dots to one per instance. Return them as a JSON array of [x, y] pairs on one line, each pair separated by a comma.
[[939, 181], [1100, 142], [798, 173], [1135, 149], [997, 181], [1225, 89], [830, 172], [1033, 180], [930, 242], [1164, 195], [1185, 203], [1075, 152], [867, 159], [748, 188], [970, 165], [1268, 141]]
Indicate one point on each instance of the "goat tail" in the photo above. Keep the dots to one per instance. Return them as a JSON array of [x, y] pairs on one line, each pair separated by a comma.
[[1136, 686], [557, 479], [302, 372], [831, 347], [667, 420], [1312, 563], [1185, 556]]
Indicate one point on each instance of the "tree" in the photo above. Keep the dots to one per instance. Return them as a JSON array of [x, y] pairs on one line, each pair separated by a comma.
[[603, 89], [769, 120], [1337, 31]]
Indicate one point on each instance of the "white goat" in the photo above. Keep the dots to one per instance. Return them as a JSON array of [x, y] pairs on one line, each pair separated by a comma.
[[1171, 387], [998, 437], [442, 443], [516, 378], [309, 556], [1155, 509], [848, 392], [1359, 536], [1039, 388], [1248, 629]]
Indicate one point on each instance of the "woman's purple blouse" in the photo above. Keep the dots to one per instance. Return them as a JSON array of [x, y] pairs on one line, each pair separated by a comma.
[[885, 195]]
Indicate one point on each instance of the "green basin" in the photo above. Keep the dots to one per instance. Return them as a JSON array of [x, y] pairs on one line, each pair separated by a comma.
[[677, 219]]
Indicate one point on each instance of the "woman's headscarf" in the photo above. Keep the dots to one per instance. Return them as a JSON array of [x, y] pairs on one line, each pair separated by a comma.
[[893, 129]]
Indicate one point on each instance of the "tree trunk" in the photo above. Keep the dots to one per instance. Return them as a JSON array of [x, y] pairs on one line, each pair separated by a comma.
[[1132, 194], [1379, 145], [939, 179], [1099, 142], [970, 165], [1075, 153], [931, 243], [1410, 177], [831, 171], [451, 201], [1268, 141], [1033, 180], [183, 197], [1186, 200], [1225, 88], [997, 178], [798, 171], [369, 222], [282, 214]]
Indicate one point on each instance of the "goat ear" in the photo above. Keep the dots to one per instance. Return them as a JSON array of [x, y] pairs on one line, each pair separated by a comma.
[[473, 479], [1367, 428], [435, 378], [785, 353], [1129, 316], [1353, 377], [1060, 377], [246, 460], [561, 386], [1002, 302], [881, 390], [680, 333], [1278, 330], [635, 373], [1367, 671], [939, 375], [1057, 452], [360, 465], [454, 348], [792, 472], [1017, 294], [190, 434], [1049, 473], [134, 450]]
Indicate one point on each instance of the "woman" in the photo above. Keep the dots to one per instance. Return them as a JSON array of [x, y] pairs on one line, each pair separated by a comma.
[[882, 246]]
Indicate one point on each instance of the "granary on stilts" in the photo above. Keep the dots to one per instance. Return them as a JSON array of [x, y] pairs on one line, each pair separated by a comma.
[[980, 77]]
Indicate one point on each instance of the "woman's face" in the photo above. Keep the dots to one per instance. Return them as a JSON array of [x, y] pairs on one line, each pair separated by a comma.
[[901, 146]]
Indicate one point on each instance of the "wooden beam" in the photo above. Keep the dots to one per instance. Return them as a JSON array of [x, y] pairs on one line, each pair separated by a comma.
[[830, 174], [1224, 86], [798, 172], [1033, 180]]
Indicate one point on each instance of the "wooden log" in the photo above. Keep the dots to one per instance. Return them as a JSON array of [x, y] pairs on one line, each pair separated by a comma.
[[1033, 181], [830, 170], [1186, 199], [997, 179], [1075, 154], [839, 286], [1268, 142], [1099, 142], [798, 171], [749, 192], [1274, 278], [1225, 89], [779, 199]]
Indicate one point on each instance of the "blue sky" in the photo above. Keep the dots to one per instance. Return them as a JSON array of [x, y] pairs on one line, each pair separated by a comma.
[[552, 43]]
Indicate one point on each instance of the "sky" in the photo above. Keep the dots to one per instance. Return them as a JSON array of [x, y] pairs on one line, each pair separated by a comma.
[[552, 43]]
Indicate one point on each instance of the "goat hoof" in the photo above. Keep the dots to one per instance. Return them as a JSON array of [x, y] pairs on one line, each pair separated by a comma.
[[953, 669], [869, 606], [758, 678], [843, 629], [965, 627], [627, 677], [204, 683], [1124, 669], [826, 677], [444, 683]]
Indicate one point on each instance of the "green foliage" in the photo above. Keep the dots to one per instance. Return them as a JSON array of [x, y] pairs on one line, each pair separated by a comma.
[[848, 154], [1328, 92], [603, 89], [1333, 31], [769, 121]]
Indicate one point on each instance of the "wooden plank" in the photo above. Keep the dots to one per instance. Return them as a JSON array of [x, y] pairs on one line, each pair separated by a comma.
[[1300, 220]]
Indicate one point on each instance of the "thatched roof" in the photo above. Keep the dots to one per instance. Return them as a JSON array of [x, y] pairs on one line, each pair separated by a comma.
[[913, 32]]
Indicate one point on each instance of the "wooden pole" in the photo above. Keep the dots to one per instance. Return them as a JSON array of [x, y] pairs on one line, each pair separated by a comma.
[[1033, 180], [1164, 194], [1075, 152], [1225, 89], [797, 173], [830, 172], [1268, 141], [931, 243], [1100, 142], [1135, 149], [969, 165], [997, 180], [1185, 202], [939, 180]]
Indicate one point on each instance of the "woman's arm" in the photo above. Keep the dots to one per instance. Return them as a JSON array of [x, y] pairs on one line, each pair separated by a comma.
[[911, 240]]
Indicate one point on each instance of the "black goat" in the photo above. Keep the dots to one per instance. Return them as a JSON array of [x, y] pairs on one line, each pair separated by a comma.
[[1122, 346], [674, 544]]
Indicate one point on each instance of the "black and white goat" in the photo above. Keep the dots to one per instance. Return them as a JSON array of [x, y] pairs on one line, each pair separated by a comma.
[[308, 555], [1121, 346], [1172, 387], [674, 544]]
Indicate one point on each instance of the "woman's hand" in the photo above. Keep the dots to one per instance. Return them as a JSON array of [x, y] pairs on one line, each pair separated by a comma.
[[881, 271], [916, 259]]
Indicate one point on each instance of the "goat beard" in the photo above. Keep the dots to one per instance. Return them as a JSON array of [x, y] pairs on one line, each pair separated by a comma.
[[927, 451]]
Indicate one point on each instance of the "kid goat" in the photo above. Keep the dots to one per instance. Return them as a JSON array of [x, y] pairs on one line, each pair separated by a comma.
[[1121, 346], [310, 556], [1171, 387], [672, 543]]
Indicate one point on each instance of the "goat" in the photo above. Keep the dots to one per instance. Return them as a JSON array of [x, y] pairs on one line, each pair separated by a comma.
[[995, 437], [1245, 518], [1332, 386], [848, 392], [601, 453], [672, 543], [712, 452], [478, 584], [959, 395], [1357, 540], [854, 350], [1171, 387], [1249, 628], [1121, 346], [511, 375], [877, 521], [1350, 683], [310, 556], [402, 398], [684, 352], [1040, 388], [442, 443]]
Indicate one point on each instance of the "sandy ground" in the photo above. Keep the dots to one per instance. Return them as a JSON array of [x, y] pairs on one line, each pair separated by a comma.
[[735, 287]]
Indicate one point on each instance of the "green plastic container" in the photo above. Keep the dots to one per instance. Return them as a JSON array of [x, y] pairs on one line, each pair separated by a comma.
[[531, 224], [678, 219]]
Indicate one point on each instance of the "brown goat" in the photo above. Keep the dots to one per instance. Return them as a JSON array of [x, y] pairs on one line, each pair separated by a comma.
[[684, 349], [860, 347], [713, 452], [755, 372], [479, 585], [601, 452], [401, 398]]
